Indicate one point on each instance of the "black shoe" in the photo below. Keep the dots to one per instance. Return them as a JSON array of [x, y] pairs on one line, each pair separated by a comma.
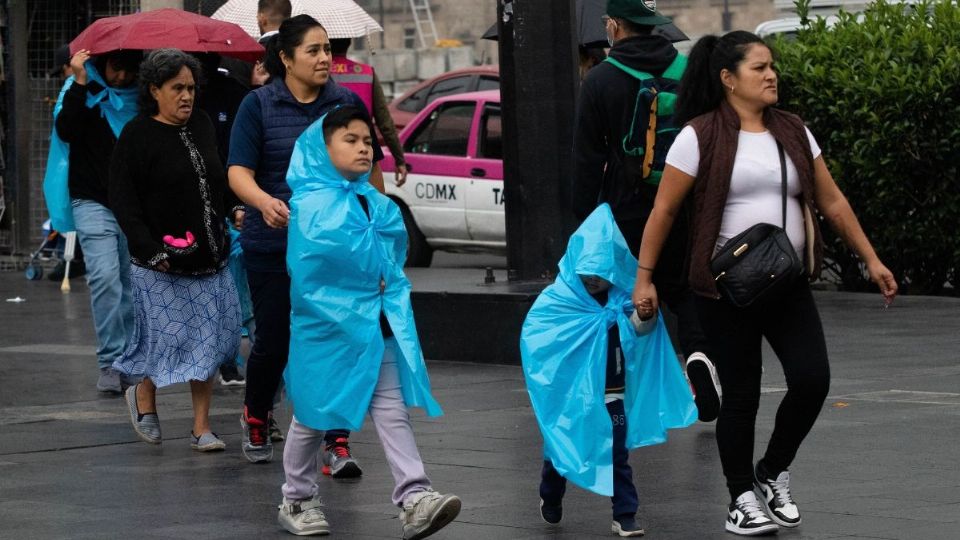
[[706, 386], [229, 376], [626, 527], [551, 513]]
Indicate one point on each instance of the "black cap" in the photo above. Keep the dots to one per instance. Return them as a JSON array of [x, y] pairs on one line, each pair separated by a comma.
[[61, 57]]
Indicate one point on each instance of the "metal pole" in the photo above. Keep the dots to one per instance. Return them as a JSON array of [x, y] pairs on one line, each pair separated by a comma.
[[383, 25], [18, 100], [727, 16], [538, 86]]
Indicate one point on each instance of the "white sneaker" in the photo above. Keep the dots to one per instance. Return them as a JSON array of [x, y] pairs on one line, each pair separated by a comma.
[[303, 518], [426, 512], [776, 499], [746, 517]]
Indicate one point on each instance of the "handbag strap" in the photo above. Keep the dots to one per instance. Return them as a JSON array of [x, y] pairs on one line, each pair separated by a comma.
[[783, 182]]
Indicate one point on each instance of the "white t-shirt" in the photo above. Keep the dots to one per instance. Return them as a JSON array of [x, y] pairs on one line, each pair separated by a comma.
[[755, 192]]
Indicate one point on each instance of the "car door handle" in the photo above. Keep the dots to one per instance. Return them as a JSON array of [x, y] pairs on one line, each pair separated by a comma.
[[480, 173]]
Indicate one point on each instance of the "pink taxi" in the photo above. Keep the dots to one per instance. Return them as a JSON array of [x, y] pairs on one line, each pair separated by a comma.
[[453, 197]]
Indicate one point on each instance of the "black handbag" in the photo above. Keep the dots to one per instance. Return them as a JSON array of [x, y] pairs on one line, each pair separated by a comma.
[[760, 262]]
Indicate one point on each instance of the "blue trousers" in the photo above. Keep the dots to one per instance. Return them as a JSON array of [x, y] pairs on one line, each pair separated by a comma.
[[108, 276], [625, 502]]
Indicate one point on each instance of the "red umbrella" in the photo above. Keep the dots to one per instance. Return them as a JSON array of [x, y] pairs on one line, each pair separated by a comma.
[[167, 28]]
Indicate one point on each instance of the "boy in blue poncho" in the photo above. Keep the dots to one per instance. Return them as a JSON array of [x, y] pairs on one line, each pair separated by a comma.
[[353, 343], [602, 377]]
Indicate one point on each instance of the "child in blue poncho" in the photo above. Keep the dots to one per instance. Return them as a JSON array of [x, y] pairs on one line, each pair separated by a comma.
[[602, 377], [353, 343]]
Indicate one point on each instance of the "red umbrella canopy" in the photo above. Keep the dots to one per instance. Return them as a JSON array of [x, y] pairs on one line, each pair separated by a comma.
[[167, 28]]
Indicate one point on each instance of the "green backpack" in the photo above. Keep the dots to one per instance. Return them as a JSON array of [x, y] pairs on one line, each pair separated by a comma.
[[652, 129]]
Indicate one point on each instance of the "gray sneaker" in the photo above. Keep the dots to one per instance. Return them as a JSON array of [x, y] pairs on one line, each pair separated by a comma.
[[256, 445], [303, 518], [147, 425], [109, 381], [207, 442], [276, 434], [426, 512]]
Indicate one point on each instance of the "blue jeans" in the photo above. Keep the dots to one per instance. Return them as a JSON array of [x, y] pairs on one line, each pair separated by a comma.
[[625, 502], [108, 276]]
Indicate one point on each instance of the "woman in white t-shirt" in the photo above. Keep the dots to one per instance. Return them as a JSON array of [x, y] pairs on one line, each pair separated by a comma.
[[727, 155]]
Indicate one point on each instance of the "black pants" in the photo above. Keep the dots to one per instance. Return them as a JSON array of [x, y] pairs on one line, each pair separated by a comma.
[[270, 293], [791, 324], [624, 500], [670, 279]]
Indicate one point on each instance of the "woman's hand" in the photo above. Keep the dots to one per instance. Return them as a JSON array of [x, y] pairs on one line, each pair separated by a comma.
[[275, 213], [645, 298], [401, 174], [162, 266], [884, 279], [77, 62]]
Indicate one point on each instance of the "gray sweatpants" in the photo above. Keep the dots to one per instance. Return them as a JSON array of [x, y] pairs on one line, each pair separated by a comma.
[[390, 417]]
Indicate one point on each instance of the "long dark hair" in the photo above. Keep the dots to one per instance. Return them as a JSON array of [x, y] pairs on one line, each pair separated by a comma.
[[700, 88], [289, 37]]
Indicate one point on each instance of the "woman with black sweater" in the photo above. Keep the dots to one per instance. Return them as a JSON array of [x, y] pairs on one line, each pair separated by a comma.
[[170, 195]]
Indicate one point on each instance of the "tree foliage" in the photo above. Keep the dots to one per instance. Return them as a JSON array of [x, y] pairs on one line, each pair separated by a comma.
[[881, 92]]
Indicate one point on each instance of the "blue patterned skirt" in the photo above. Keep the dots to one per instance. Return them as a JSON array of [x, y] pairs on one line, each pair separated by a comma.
[[184, 328]]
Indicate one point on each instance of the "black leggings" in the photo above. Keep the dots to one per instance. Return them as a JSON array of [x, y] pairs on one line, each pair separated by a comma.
[[791, 325]]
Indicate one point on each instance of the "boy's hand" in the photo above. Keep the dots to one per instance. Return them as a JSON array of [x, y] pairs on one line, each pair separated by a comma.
[[645, 309], [401, 175], [275, 213]]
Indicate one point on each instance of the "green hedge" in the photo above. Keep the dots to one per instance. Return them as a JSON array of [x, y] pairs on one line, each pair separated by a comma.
[[881, 92]]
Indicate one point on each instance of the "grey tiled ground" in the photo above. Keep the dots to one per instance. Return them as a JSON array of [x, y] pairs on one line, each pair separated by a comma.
[[881, 463]]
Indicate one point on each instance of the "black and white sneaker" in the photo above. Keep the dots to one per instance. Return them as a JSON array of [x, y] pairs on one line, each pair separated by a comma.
[[706, 386], [775, 497], [746, 517]]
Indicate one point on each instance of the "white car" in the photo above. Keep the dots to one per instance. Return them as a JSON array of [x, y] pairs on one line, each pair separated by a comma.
[[453, 197]]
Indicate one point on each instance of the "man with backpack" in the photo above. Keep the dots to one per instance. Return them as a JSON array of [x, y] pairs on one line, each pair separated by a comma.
[[624, 128]]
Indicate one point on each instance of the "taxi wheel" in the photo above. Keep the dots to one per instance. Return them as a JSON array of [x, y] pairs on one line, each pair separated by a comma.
[[419, 252]]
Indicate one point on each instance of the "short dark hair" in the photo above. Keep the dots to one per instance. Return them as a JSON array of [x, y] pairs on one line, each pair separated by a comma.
[[126, 60], [633, 28], [288, 38], [341, 118], [275, 10], [160, 66], [340, 46]]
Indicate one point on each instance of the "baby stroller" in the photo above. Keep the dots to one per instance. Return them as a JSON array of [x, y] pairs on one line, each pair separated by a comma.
[[52, 246]]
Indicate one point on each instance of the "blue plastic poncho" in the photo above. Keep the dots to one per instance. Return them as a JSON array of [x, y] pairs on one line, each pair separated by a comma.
[[118, 106], [336, 256], [563, 345]]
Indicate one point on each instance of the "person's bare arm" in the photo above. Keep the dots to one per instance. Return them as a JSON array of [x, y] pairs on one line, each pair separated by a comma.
[[674, 187], [837, 211], [244, 185]]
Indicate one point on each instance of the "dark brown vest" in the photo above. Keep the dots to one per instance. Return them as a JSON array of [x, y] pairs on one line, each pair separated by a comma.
[[717, 134]]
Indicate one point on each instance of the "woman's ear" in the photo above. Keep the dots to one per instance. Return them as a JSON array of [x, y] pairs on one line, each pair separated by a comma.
[[154, 91], [728, 79]]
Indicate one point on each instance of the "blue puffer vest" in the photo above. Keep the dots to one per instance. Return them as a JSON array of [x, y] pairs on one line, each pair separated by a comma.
[[284, 119]]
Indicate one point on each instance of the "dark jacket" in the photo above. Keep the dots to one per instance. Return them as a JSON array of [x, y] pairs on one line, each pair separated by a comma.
[[91, 143], [167, 180], [284, 119], [604, 111], [220, 98], [717, 137]]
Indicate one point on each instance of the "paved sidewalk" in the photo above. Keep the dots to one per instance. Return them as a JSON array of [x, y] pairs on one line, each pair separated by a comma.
[[881, 462]]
